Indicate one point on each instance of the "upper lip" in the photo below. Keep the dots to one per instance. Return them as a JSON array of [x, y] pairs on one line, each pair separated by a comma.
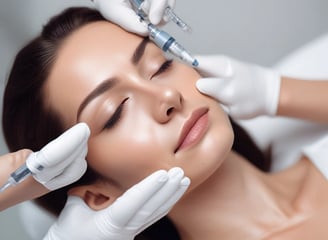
[[189, 123]]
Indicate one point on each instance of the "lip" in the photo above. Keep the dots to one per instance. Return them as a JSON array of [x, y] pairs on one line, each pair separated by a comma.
[[193, 129]]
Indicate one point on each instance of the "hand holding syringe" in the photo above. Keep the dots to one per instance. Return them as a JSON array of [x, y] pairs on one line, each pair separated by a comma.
[[143, 7], [59, 163], [142, 17], [161, 38]]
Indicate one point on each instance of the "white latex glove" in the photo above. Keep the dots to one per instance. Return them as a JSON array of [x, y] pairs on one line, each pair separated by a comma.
[[63, 159], [318, 153], [247, 90], [139, 207], [121, 13]]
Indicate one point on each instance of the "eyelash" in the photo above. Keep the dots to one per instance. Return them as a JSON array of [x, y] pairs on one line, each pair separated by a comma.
[[114, 119], [165, 66]]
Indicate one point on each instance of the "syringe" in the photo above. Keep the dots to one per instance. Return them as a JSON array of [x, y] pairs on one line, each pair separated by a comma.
[[55, 157], [22, 172], [137, 5], [168, 44], [161, 38], [17, 177], [178, 21]]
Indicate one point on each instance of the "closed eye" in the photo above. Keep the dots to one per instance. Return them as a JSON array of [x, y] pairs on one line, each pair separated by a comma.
[[163, 68], [114, 119]]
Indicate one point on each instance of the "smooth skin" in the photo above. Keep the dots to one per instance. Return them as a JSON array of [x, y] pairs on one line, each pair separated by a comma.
[[230, 198], [153, 103], [303, 99]]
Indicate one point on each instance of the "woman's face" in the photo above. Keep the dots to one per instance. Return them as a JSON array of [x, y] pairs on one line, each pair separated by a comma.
[[144, 111]]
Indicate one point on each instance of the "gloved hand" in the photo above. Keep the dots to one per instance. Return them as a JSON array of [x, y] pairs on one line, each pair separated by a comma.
[[246, 90], [62, 160], [139, 207], [318, 152], [121, 13]]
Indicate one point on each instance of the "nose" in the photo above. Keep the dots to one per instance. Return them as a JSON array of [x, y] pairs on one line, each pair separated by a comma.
[[166, 102]]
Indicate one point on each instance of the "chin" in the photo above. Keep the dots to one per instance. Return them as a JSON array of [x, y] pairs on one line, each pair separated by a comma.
[[209, 156]]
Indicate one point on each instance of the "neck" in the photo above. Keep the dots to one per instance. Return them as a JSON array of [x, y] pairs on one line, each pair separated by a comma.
[[235, 189]]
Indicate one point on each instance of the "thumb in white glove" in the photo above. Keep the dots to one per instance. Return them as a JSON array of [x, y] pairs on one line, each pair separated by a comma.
[[247, 90], [139, 207], [122, 13], [62, 161]]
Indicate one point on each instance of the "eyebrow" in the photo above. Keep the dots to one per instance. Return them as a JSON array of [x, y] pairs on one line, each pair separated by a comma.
[[110, 83], [138, 53], [100, 89]]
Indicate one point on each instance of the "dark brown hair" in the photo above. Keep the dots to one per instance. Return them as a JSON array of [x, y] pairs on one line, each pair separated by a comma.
[[29, 123]]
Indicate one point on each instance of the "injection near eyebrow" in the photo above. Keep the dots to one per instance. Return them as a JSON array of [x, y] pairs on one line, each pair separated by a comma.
[[162, 39], [168, 44]]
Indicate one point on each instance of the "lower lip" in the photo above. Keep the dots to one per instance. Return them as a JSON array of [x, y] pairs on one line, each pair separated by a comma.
[[196, 132]]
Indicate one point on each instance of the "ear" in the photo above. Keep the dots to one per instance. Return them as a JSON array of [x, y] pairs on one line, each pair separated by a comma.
[[97, 195]]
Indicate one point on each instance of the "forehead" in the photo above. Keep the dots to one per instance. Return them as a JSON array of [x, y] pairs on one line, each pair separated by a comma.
[[97, 39], [87, 57]]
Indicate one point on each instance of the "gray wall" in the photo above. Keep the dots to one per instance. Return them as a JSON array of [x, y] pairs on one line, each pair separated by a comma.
[[255, 30]]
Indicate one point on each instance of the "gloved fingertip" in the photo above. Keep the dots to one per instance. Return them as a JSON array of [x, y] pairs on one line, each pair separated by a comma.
[[157, 11], [216, 65], [162, 176], [142, 32], [171, 3], [175, 172], [131, 21], [137, 27], [84, 128], [213, 87], [140, 28], [202, 85], [185, 182], [145, 6], [156, 18]]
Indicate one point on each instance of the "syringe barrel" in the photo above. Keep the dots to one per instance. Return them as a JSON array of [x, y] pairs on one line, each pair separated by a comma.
[[161, 38], [21, 173]]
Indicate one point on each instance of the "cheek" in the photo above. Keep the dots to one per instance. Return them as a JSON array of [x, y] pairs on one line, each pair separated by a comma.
[[126, 156]]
